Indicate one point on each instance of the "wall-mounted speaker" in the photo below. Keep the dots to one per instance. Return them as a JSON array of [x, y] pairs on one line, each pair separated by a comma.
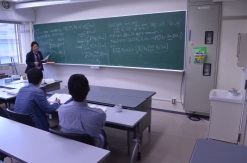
[[5, 5]]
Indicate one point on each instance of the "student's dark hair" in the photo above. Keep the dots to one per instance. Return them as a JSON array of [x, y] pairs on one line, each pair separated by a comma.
[[34, 76], [78, 87], [34, 43]]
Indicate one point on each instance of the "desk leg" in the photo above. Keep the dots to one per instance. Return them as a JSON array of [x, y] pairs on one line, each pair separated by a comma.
[[137, 141], [136, 147], [128, 142]]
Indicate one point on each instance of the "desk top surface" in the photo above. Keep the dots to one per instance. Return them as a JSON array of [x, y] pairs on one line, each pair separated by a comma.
[[127, 118], [211, 151], [121, 91], [33, 145], [112, 100], [9, 87], [21, 83], [112, 96], [5, 95]]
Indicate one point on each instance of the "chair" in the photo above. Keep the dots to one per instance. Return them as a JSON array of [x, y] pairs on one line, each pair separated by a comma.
[[21, 118], [84, 138], [2, 156], [3, 113]]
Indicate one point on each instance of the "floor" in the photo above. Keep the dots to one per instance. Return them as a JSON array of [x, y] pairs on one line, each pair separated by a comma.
[[171, 140]]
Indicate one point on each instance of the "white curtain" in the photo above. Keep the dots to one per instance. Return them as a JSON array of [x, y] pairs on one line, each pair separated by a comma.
[[25, 37]]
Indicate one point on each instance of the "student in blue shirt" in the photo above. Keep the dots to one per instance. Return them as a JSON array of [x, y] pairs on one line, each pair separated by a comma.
[[32, 100], [78, 117]]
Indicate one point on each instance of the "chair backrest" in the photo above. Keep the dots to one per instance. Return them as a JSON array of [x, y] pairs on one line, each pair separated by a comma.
[[84, 138], [21, 118], [3, 113]]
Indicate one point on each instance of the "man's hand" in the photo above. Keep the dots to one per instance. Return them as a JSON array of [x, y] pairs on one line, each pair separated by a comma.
[[58, 101]]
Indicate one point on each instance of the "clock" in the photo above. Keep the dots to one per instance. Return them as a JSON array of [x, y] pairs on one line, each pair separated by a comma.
[[5, 4]]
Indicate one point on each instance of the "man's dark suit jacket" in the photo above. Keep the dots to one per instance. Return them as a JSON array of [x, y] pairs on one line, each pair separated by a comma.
[[30, 61]]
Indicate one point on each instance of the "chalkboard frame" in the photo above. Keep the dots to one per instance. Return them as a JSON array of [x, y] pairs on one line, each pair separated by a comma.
[[97, 66]]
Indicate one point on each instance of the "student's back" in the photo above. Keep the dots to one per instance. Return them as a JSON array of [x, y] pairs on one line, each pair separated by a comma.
[[31, 100], [78, 117]]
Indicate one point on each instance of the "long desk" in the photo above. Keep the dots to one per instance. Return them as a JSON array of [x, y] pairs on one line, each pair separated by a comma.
[[10, 98], [28, 144], [211, 151], [19, 84], [130, 99]]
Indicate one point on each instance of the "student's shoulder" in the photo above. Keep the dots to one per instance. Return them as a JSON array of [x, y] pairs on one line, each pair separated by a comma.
[[65, 107], [99, 112], [36, 89], [35, 92], [29, 88]]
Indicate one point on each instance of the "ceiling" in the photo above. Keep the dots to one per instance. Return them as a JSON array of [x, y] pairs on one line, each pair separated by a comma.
[[39, 3]]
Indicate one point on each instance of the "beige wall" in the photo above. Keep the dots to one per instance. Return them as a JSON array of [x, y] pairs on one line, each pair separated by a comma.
[[234, 21], [19, 15]]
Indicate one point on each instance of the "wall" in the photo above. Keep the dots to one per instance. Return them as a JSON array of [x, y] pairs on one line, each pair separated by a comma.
[[234, 21], [19, 15], [166, 84], [105, 8], [10, 70]]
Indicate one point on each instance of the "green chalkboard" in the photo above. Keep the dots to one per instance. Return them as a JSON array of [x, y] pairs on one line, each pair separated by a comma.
[[143, 41]]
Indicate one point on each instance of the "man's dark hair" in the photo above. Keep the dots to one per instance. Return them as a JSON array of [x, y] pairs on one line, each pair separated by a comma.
[[78, 87], [33, 43], [34, 76]]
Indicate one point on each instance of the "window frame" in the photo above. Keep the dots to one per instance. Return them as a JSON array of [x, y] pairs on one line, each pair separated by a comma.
[[17, 42]]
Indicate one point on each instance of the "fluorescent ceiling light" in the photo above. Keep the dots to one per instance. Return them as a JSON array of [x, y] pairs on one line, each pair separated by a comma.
[[48, 3]]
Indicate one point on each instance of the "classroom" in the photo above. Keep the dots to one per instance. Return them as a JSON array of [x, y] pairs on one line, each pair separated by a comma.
[[204, 60]]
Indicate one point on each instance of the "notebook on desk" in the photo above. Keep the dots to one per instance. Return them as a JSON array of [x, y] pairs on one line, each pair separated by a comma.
[[62, 97]]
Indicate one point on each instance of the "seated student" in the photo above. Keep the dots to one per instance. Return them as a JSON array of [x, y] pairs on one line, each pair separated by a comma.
[[32, 100], [78, 117]]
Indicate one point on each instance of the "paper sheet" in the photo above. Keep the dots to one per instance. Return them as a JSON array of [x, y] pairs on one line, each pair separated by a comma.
[[62, 97], [48, 81], [104, 108], [46, 58], [12, 91]]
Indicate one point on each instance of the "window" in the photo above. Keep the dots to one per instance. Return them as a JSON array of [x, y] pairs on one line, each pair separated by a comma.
[[9, 43]]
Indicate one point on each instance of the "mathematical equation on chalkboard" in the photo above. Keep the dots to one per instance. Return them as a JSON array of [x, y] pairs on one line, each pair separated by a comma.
[[137, 41]]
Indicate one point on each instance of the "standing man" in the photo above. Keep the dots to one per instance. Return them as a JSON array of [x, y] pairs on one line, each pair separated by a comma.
[[34, 58]]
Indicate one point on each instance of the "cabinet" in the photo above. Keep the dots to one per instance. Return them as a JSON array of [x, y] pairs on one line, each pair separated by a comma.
[[225, 115]]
